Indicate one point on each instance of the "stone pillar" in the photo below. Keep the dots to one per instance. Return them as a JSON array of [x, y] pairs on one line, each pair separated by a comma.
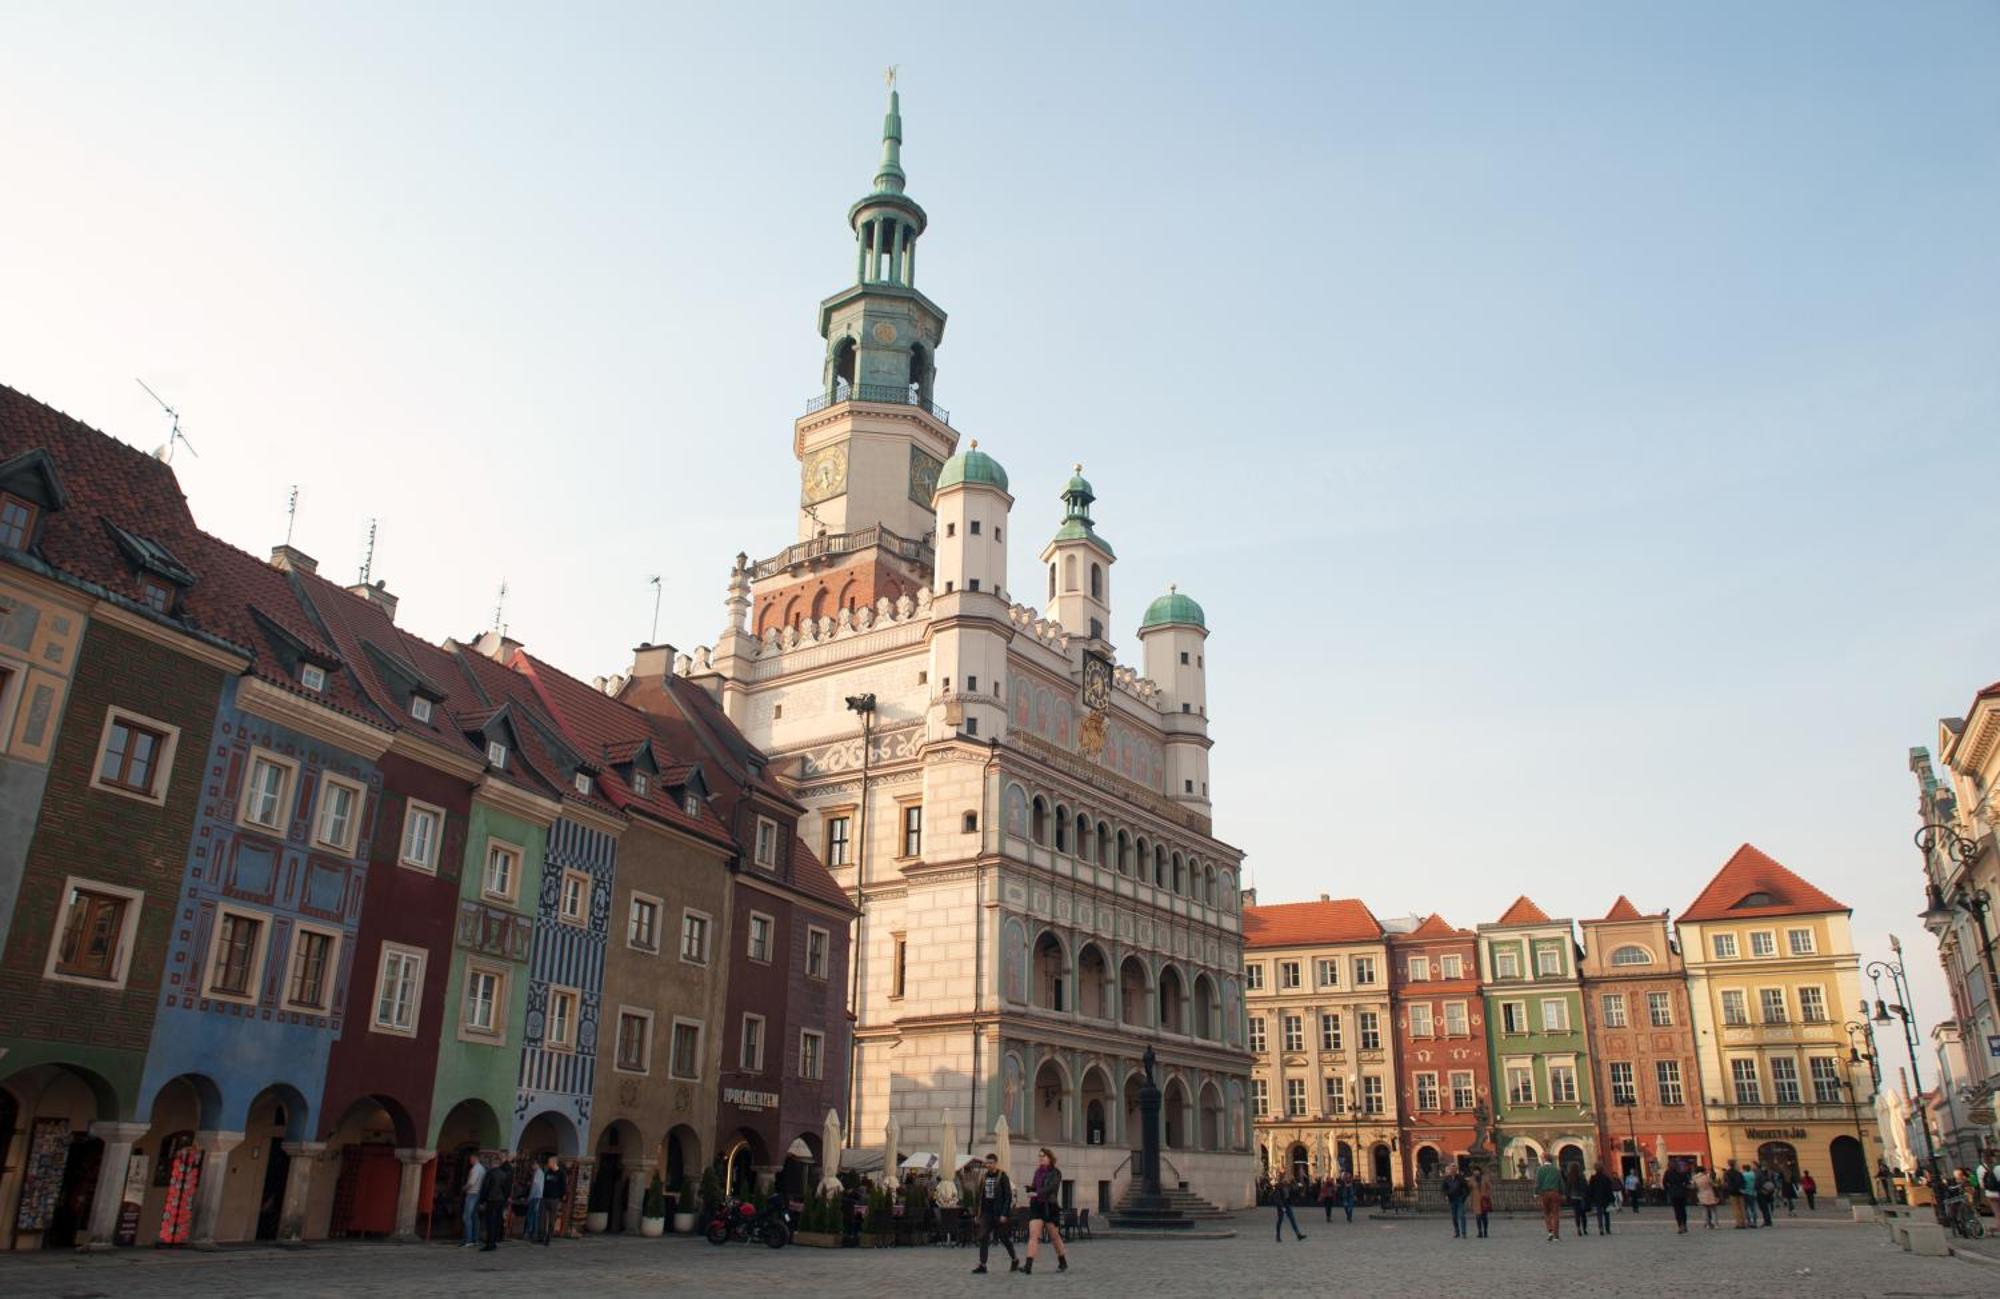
[[298, 1185], [406, 1195], [635, 1194], [584, 1167], [216, 1148], [118, 1139]]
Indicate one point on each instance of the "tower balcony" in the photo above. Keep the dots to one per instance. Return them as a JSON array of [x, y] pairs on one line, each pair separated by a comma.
[[834, 545], [881, 393]]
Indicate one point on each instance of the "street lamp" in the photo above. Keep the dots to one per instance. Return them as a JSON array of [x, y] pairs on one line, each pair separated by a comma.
[[1938, 915], [862, 706], [1856, 1028], [1630, 1104], [1900, 985]]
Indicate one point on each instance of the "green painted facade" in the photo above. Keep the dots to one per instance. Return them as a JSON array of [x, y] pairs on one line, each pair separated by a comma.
[[1534, 1019], [488, 934]]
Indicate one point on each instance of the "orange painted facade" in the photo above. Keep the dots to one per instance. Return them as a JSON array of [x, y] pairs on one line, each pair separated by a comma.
[[1435, 1116]]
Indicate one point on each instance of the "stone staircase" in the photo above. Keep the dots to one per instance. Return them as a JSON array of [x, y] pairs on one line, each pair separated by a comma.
[[1180, 1203]]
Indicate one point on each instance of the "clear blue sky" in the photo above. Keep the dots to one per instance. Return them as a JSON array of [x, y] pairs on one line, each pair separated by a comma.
[[1580, 422]]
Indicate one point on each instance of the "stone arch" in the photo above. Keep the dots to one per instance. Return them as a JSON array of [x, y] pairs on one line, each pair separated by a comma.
[[358, 1194], [1428, 1161], [1086, 841], [1135, 993], [1062, 828], [791, 612], [1144, 850], [1069, 573], [549, 1131], [1013, 956], [1124, 852], [846, 598], [1173, 1000], [1180, 877], [681, 1155], [1214, 1130], [1015, 801], [618, 1189], [1208, 885], [840, 370], [1051, 1101], [1206, 1005], [1227, 880], [1159, 866], [1051, 986], [1095, 1103], [1096, 580], [1038, 821], [472, 1121], [799, 1176], [1232, 1011], [821, 603], [280, 1098], [1176, 1114], [206, 1107], [1093, 981]]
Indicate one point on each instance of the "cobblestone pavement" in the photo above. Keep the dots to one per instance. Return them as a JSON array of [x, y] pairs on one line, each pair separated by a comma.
[[1802, 1257]]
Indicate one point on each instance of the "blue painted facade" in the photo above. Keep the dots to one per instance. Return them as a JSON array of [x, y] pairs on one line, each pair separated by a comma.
[[283, 879], [566, 954]]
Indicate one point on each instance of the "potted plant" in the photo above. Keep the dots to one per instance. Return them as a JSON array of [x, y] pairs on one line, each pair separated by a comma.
[[819, 1223], [653, 1212], [684, 1208], [881, 1219], [711, 1195], [597, 1216]]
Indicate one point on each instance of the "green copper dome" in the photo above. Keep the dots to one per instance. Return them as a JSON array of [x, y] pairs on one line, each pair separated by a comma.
[[972, 466], [1173, 607]]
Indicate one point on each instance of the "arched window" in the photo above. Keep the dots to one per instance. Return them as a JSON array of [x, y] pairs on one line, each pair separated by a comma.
[[1630, 955], [1096, 581], [1085, 841], [1052, 579], [1062, 828], [841, 381], [1159, 866], [1038, 821], [1069, 572]]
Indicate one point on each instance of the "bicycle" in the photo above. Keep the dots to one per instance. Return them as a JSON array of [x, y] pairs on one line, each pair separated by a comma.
[[1962, 1218]]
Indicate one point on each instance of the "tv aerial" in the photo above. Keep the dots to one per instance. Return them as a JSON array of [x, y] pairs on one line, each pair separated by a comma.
[[166, 453]]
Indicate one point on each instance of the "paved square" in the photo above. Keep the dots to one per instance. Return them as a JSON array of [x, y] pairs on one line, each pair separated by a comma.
[[1819, 1256]]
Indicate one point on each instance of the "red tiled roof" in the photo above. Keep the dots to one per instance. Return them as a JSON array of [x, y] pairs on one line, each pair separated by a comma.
[[1300, 924], [1623, 909], [811, 877], [1523, 912], [1435, 926], [1749, 873]]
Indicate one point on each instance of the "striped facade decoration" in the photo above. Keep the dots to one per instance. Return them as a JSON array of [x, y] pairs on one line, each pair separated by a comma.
[[566, 955]]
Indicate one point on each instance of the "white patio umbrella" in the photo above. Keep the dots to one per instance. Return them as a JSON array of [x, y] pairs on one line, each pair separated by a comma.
[[1659, 1154], [892, 1136], [1003, 1146], [954, 1159], [830, 1139]]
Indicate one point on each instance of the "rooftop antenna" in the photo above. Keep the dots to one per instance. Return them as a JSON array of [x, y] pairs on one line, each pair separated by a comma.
[[166, 453], [500, 609], [368, 556], [655, 637], [291, 513]]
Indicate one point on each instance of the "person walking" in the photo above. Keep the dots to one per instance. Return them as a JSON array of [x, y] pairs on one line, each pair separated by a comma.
[[1456, 1191], [1732, 1186], [1788, 1191], [1675, 1183], [1548, 1190], [1045, 1211], [1327, 1192], [554, 1185], [497, 1190], [996, 1213], [1632, 1188], [475, 1182], [1809, 1188], [1482, 1193], [1347, 1195], [531, 1223], [1767, 1192], [1704, 1195], [1603, 1192], [1281, 1200], [1576, 1189]]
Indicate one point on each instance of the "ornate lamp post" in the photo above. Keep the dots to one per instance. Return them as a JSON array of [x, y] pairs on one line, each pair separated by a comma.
[[1900, 985], [1630, 1104], [1856, 1030], [1937, 837], [864, 707]]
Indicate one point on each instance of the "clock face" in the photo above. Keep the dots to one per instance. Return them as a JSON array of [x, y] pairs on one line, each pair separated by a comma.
[[825, 474], [924, 470], [1096, 682], [884, 332]]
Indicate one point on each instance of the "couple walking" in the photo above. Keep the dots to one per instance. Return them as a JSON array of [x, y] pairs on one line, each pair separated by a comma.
[[996, 1212]]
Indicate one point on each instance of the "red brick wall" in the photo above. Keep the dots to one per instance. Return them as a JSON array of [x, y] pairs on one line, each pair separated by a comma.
[[1448, 1130], [862, 580]]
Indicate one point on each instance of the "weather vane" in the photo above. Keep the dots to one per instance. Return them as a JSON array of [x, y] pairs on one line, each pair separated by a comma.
[[889, 77]]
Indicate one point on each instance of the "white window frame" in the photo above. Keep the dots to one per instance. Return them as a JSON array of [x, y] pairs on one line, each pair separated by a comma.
[[422, 959], [1374, 1096], [1722, 1004], [1770, 935], [1723, 946], [1612, 1006], [1784, 1070], [707, 938], [825, 951], [584, 885], [1764, 1010], [467, 1031], [287, 791], [818, 1055], [1463, 1095], [1260, 1098], [1512, 956], [764, 847], [512, 895], [1333, 1095], [1463, 1026], [632, 905], [1427, 1080], [1451, 966], [567, 1042], [1420, 972], [328, 782], [744, 1063], [1295, 1097], [262, 948], [750, 937], [640, 783], [1567, 1068], [1291, 975], [1661, 1080], [1562, 1004], [1737, 1079], [646, 1049], [428, 864], [1519, 1016], [691, 805], [1546, 956], [312, 676], [1792, 947], [496, 755], [1367, 1027], [1364, 971], [1332, 1033], [121, 961], [581, 783], [1292, 1033], [1326, 971], [1525, 1065], [420, 708], [700, 1044], [1253, 976], [292, 954], [1257, 1037], [1654, 1002], [1799, 995], [1621, 1092], [1423, 1021]]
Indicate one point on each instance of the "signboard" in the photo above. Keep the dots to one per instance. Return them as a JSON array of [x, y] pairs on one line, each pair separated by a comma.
[[1993, 1045], [749, 1100], [134, 1196], [1775, 1134]]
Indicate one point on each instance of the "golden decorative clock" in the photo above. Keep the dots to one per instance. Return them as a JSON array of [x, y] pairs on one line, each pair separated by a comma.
[[924, 470], [825, 474]]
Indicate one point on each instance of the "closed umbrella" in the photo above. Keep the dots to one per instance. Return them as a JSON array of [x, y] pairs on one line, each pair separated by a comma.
[[892, 1136], [830, 1140], [953, 1159], [1003, 1146], [1659, 1154]]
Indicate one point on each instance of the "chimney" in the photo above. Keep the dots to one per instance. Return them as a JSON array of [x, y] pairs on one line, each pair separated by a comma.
[[289, 558], [1250, 897], [496, 645], [653, 662], [376, 594], [1325, 898]]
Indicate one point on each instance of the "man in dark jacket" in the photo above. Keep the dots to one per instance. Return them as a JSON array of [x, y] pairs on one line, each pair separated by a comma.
[[1455, 1189], [553, 1186], [494, 1196], [996, 1213], [1602, 1190], [1675, 1183]]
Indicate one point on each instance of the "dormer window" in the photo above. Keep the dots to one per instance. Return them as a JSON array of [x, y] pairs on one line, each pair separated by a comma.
[[639, 783], [496, 753], [582, 783], [312, 676], [420, 708], [17, 521], [155, 595], [691, 804]]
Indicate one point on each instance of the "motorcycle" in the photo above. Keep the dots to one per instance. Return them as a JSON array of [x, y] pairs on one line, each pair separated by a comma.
[[742, 1220]]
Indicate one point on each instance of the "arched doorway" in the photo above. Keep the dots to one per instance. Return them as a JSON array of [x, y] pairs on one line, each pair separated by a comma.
[[52, 1107], [1093, 993], [1344, 1155], [1173, 1001], [1781, 1155], [361, 1196], [801, 1168], [1134, 994], [619, 1154], [1850, 1166], [1175, 1109], [1570, 1156], [253, 1206], [468, 1130], [1096, 1094], [1427, 1162], [184, 1105], [683, 1157], [1379, 1158], [1298, 1160], [1211, 1117], [741, 1161], [1051, 1103]]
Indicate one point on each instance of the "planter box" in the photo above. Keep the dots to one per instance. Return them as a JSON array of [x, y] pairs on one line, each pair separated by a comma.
[[652, 1227], [684, 1224], [878, 1239], [596, 1223], [817, 1239]]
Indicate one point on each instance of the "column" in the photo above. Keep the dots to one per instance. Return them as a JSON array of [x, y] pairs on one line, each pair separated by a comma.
[[215, 1151], [636, 1182], [118, 1139], [412, 1186], [298, 1185], [896, 252], [579, 1194], [861, 255], [910, 261]]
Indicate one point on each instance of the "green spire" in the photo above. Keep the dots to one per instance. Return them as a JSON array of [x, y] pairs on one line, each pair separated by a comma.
[[889, 180], [1076, 524]]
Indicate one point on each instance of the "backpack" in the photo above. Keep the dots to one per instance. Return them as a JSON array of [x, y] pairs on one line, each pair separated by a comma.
[[1993, 1179]]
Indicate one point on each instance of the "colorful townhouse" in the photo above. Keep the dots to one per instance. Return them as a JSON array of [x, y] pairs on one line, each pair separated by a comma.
[[1539, 1052], [1441, 1059], [786, 1041], [1642, 1044], [1771, 969]]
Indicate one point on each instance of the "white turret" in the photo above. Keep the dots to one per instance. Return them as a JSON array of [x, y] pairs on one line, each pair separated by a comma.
[[1175, 634], [1079, 562]]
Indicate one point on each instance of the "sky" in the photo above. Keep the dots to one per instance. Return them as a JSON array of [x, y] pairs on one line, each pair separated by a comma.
[[1580, 422]]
